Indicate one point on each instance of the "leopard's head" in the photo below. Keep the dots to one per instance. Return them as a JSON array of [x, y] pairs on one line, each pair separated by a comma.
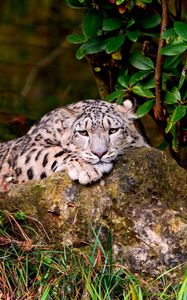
[[100, 131]]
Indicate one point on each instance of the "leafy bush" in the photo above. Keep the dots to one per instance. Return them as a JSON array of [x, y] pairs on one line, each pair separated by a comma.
[[138, 48]]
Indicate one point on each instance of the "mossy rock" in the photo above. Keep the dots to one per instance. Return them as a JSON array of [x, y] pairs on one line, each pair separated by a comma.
[[143, 201]]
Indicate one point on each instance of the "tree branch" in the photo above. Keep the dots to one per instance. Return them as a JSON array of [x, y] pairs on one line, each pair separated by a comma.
[[158, 110]]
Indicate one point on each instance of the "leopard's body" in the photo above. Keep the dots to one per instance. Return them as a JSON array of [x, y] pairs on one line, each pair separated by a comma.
[[83, 139]]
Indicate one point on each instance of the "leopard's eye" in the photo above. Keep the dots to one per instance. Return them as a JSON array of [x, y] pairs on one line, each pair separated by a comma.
[[83, 132], [113, 130]]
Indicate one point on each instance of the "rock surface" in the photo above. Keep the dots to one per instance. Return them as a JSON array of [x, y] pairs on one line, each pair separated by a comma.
[[143, 201]]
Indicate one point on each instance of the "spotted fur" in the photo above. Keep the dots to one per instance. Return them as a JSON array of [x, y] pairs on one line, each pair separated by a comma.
[[83, 139]]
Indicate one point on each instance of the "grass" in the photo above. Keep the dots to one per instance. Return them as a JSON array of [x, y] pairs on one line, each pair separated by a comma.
[[30, 270]]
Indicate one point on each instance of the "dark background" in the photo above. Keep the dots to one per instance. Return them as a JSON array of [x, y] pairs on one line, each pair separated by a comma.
[[38, 68]]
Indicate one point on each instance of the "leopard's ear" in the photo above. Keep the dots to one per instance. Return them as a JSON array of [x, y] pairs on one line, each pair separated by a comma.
[[67, 116], [128, 108]]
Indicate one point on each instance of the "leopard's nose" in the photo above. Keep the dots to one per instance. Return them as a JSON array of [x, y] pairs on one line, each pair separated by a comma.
[[99, 153]]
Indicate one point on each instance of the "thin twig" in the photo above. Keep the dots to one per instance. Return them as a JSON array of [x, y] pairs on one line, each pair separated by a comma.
[[159, 63], [41, 64]]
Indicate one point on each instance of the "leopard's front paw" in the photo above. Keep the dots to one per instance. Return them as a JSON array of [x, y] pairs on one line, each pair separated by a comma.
[[91, 174], [84, 173]]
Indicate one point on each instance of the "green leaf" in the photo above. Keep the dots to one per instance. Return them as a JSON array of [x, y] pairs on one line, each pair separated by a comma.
[[185, 94], [169, 34], [90, 47], [174, 49], [110, 24], [165, 78], [174, 138], [150, 22], [172, 62], [80, 53], [141, 62], [176, 93], [182, 77], [138, 76], [119, 2], [92, 22], [181, 29], [75, 3], [146, 1], [178, 113], [140, 91], [133, 35], [130, 23], [114, 43], [144, 108], [120, 99], [114, 95], [149, 84], [76, 38], [124, 80], [172, 97]]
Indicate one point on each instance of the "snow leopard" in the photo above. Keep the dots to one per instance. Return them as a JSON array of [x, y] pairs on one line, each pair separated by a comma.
[[83, 139]]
